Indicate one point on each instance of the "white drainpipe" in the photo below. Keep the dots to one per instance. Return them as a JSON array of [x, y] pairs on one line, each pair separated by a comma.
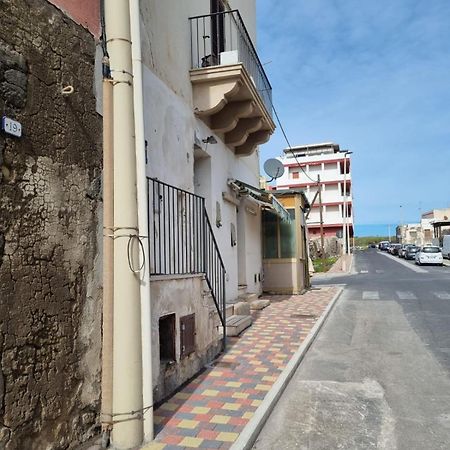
[[127, 352], [147, 385]]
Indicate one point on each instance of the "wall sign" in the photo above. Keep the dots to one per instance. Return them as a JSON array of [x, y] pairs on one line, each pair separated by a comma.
[[11, 126]]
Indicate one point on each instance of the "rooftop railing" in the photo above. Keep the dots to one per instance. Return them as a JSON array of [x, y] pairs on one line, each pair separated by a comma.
[[222, 39]]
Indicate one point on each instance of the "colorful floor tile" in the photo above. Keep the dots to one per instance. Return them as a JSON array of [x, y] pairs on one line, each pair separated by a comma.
[[213, 409]]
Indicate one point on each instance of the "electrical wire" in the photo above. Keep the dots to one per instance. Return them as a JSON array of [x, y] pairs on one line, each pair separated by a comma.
[[290, 147]]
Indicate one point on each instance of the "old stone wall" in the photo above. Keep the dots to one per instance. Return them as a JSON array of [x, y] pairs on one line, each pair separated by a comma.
[[50, 296]]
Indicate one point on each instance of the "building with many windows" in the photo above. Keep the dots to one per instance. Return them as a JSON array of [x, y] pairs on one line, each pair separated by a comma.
[[304, 166]]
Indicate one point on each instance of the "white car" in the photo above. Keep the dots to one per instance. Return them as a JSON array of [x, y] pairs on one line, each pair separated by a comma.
[[429, 254]]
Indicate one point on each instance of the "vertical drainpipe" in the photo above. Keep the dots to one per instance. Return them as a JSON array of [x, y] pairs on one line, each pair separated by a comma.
[[108, 245], [127, 353], [141, 176], [108, 264]]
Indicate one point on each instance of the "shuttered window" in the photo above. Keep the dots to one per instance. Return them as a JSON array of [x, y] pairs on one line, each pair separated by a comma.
[[187, 333]]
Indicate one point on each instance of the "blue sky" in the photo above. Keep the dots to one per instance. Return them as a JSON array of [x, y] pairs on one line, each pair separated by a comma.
[[374, 77]]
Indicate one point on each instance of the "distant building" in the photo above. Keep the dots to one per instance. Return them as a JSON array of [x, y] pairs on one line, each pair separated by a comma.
[[409, 233], [433, 224], [303, 164]]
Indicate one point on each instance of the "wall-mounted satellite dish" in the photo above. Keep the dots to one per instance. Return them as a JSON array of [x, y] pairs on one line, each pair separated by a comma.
[[274, 168]]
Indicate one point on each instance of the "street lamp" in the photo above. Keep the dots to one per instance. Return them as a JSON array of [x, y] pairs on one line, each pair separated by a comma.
[[346, 233]]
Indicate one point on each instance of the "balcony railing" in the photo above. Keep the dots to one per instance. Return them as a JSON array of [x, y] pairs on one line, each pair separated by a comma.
[[222, 39]]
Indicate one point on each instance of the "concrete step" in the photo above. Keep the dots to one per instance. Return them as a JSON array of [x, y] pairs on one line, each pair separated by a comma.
[[237, 324], [248, 297]]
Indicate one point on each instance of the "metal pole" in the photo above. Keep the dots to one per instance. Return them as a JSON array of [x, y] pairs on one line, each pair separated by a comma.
[[322, 244]]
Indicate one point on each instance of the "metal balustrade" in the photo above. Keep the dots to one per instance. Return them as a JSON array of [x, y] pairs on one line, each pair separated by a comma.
[[181, 239], [214, 38]]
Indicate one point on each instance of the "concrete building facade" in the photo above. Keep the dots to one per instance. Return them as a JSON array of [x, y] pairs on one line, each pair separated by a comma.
[[207, 107], [303, 164]]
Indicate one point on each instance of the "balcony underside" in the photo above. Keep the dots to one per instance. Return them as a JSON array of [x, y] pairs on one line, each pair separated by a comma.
[[226, 99]]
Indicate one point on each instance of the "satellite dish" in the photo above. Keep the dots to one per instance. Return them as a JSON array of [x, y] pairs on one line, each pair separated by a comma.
[[274, 168]]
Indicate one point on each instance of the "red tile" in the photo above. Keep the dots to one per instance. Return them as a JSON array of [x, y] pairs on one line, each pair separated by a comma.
[[238, 421], [214, 404], [172, 439], [208, 434], [204, 417]]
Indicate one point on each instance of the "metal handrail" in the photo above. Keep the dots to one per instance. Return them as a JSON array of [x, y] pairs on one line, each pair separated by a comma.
[[203, 24], [181, 239]]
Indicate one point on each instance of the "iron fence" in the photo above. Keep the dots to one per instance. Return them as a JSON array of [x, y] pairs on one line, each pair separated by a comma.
[[182, 239]]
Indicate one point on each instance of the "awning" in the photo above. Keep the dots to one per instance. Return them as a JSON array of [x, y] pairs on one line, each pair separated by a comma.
[[260, 196]]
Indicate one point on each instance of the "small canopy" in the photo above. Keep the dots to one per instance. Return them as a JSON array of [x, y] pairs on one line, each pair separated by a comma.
[[260, 196]]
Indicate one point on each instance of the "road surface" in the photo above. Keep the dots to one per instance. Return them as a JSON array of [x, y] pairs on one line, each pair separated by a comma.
[[378, 374]]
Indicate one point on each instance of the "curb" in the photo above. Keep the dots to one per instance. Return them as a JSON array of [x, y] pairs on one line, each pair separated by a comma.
[[251, 431]]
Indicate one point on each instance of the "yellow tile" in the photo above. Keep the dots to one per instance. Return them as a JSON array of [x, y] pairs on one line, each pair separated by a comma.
[[155, 446], [256, 402], [210, 392], [227, 437], [239, 395], [215, 373], [255, 362], [191, 442], [182, 395], [233, 384], [263, 387], [200, 410], [220, 419], [189, 424], [247, 415], [267, 378], [261, 369], [231, 406], [169, 406]]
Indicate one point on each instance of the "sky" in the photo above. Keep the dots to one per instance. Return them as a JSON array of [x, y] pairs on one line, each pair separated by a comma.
[[373, 77]]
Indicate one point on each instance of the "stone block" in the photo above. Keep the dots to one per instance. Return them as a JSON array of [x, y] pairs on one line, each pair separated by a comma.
[[237, 324], [259, 304], [242, 309]]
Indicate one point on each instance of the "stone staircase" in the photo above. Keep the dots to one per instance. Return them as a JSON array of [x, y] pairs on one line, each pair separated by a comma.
[[238, 311]]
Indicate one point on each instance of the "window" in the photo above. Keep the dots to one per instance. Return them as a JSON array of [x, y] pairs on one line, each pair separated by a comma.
[[295, 175], [187, 334], [431, 250], [279, 238], [167, 338]]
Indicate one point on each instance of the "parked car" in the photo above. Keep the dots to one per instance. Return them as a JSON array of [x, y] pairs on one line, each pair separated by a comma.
[[429, 254], [446, 246], [402, 251], [394, 248], [410, 252], [383, 245]]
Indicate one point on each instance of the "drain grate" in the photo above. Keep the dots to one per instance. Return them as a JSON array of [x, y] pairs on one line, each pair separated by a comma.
[[303, 316]]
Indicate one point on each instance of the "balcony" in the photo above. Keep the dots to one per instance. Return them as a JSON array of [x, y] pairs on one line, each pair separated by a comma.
[[231, 92]]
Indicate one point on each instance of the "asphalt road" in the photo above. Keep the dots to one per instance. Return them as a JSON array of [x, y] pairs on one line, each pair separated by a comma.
[[378, 374]]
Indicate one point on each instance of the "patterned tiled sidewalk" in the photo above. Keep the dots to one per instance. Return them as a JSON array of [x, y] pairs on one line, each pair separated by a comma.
[[213, 409]]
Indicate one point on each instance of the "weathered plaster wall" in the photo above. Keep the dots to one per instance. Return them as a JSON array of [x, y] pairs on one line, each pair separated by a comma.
[[182, 296], [50, 296]]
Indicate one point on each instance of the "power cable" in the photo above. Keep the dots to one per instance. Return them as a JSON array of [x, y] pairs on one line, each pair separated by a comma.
[[289, 145]]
